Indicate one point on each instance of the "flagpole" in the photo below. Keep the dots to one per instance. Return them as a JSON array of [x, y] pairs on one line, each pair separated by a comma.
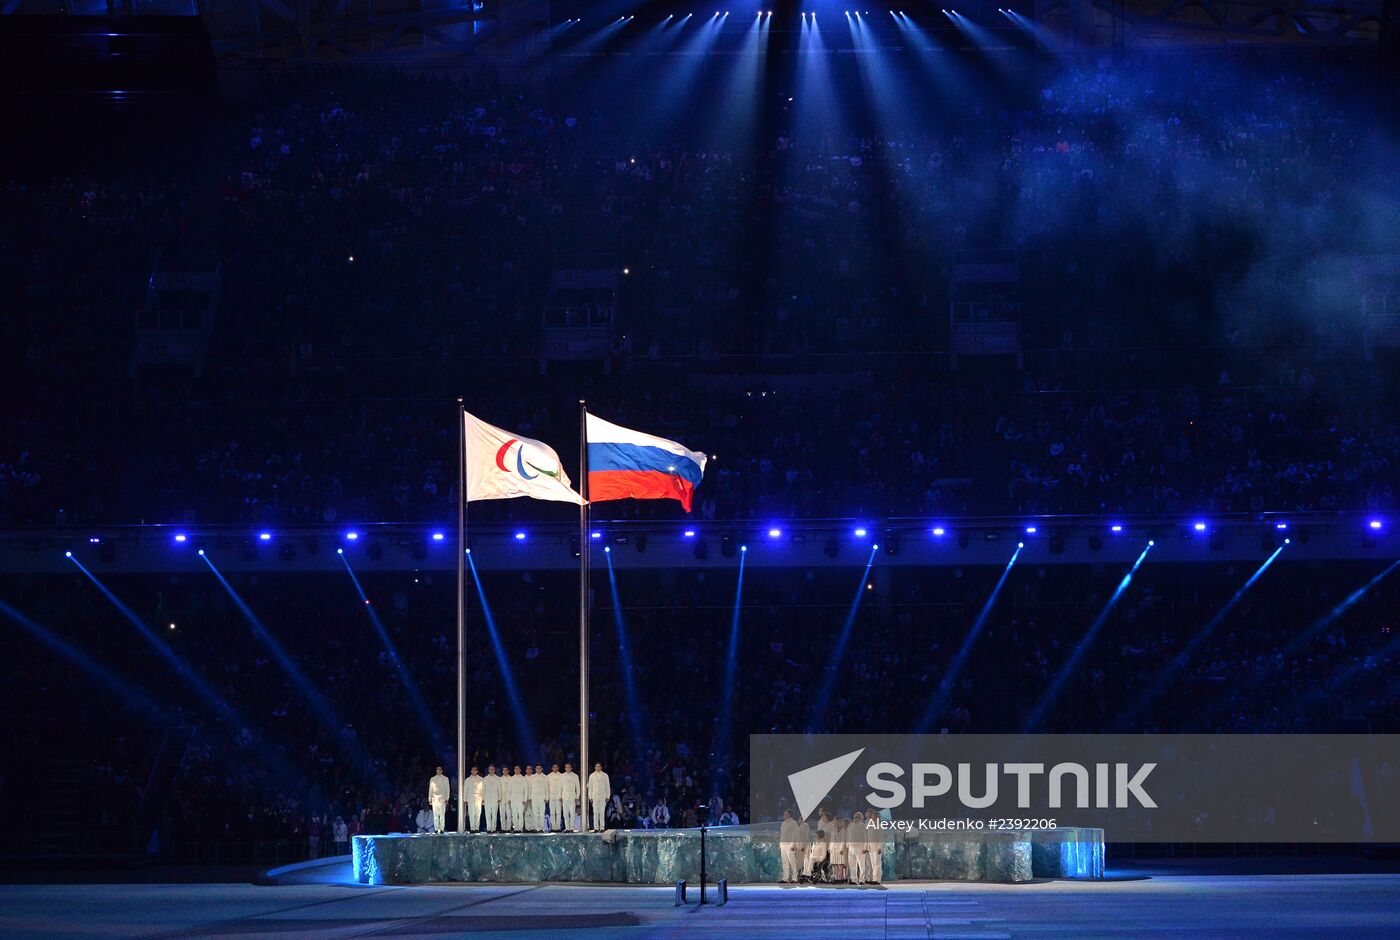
[[461, 617], [584, 543]]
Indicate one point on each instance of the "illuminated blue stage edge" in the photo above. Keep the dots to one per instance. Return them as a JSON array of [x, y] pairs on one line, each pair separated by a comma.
[[740, 854]]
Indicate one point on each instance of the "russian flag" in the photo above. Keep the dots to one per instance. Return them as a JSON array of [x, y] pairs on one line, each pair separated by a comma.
[[625, 464]]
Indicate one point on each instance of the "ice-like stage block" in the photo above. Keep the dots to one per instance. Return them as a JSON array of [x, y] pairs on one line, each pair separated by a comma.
[[742, 854]]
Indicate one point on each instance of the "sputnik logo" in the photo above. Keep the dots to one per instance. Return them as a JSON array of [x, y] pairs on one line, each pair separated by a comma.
[[520, 462], [811, 786]]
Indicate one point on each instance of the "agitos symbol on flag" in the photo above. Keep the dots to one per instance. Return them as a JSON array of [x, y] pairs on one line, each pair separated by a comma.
[[501, 465]]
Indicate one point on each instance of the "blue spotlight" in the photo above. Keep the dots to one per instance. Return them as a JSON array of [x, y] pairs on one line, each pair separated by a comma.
[[607, 549], [945, 685], [1281, 525], [94, 540], [592, 535], [125, 692], [1031, 530], [438, 536], [838, 651], [520, 536], [775, 533], [689, 533], [726, 702], [180, 537], [1375, 523], [1047, 701], [338, 551], [861, 533], [265, 536], [320, 706], [1199, 527], [939, 531], [351, 536], [1115, 528], [517, 707], [743, 548], [415, 697], [1020, 544], [629, 686], [201, 553]]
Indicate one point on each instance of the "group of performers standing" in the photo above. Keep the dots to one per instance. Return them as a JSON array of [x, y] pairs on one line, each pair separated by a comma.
[[830, 850], [528, 801]]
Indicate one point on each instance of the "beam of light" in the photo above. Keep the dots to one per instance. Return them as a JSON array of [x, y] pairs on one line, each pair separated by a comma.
[[523, 731], [125, 692], [183, 669], [818, 108], [1047, 40], [629, 685], [740, 91], [1333, 615], [877, 73], [590, 44], [322, 708], [1342, 678], [678, 81], [726, 704], [945, 686], [833, 665], [410, 687], [949, 74], [1280, 659], [1072, 662], [1179, 661], [202, 689]]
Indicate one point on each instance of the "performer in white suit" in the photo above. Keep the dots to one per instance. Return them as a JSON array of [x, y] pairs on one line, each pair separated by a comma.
[[493, 790], [858, 859], [516, 793], [528, 822], [568, 793], [554, 781], [439, 792], [599, 790], [787, 848], [476, 796], [539, 796]]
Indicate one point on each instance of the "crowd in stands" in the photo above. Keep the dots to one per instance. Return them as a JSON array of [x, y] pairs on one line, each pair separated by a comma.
[[277, 763], [386, 243]]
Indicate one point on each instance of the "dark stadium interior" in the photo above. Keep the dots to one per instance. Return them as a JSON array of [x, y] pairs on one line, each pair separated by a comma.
[[1017, 273]]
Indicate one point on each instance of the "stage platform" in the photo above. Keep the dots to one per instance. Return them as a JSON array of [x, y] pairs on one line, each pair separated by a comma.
[[741, 854]]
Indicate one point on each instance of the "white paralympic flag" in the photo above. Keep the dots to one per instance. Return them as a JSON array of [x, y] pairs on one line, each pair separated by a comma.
[[501, 465]]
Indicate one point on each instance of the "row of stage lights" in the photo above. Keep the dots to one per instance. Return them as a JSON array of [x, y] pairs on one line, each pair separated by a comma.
[[773, 533], [719, 14], [731, 540]]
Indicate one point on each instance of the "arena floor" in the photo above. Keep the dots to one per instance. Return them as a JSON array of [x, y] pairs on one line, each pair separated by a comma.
[[1165, 906]]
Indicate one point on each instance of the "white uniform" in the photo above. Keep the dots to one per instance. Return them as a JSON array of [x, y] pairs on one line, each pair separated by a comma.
[[876, 844], [516, 795], [859, 861], [568, 793], [554, 782], [439, 792], [539, 795], [492, 791], [599, 790], [476, 796], [787, 849]]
